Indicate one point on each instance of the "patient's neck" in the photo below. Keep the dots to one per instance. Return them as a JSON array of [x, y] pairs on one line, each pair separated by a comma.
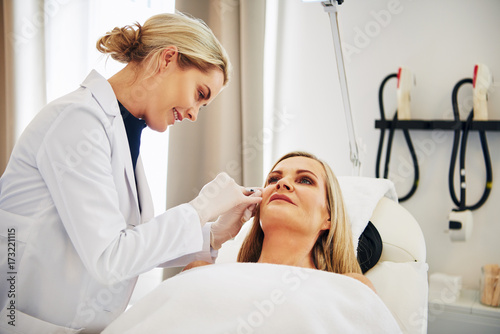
[[286, 248]]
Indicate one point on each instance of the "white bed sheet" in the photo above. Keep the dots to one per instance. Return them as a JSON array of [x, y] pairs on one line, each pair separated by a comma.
[[257, 298]]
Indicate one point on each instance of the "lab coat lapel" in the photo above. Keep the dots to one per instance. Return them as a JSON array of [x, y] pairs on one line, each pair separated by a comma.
[[102, 92], [147, 208], [105, 96]]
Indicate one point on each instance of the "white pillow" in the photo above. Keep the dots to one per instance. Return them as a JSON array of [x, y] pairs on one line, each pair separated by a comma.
[[361, 196], [404, 289]]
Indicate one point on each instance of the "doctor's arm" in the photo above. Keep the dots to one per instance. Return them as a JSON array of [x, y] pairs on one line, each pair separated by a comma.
[[79, 171]]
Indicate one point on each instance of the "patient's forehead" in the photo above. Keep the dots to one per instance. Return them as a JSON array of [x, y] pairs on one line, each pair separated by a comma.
[[301, 163]]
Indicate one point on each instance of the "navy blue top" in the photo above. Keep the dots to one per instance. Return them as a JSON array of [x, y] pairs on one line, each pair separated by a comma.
[[133, 127]]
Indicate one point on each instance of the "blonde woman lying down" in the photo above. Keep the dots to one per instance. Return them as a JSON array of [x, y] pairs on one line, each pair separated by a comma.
[[300, 226], [303, 221]]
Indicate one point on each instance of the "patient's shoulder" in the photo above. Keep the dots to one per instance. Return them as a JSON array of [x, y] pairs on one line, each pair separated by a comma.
[[195, 264], [363, 279]]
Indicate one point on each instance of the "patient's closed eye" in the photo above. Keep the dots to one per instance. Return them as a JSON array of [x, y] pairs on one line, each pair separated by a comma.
[[302, 179], [272, 179]]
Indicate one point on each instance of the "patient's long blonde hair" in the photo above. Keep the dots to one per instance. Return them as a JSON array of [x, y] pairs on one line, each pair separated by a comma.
[[334, 249]]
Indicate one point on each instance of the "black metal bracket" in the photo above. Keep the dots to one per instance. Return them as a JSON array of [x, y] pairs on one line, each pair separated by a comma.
[[437, 125]]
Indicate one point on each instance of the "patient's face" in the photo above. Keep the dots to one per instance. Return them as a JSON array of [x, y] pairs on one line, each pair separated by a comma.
[[295, 198]]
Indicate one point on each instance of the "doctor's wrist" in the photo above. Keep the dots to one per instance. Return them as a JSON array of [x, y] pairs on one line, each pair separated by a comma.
[[199, 210]]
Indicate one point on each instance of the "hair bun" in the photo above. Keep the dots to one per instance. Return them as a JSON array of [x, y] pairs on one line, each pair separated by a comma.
[[122, 44], [196, 44]]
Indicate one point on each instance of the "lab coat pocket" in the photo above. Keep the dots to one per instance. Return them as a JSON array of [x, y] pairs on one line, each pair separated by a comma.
[[17, 322], [14, 234]]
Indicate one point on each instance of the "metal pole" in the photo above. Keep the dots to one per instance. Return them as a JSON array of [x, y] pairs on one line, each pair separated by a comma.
[[331, 8]]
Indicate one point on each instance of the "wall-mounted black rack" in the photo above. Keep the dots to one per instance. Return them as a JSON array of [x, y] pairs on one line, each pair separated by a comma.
[[437, 125]]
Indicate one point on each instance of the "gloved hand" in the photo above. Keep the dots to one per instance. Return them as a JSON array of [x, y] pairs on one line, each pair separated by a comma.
[[219, 196], [230, 223]]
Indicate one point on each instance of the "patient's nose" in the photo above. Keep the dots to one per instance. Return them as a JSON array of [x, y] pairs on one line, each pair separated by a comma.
[[283, 183]]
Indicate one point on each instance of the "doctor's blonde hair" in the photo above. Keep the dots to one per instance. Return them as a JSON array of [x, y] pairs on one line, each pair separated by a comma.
[[197, 45], [333, 250]]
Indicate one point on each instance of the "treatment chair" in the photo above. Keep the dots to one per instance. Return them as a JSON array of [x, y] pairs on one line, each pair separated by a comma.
[[400, 275]]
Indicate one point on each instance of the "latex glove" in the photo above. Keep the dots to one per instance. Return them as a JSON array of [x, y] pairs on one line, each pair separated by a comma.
[[219, 196], [229, 224]]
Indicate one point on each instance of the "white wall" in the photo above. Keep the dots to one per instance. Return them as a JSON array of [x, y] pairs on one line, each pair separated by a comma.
[[440, 41]]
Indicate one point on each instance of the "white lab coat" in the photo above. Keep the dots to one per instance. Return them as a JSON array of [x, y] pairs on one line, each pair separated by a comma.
[[69, 205]]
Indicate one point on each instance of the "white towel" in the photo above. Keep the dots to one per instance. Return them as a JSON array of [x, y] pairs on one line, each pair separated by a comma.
[[361, 196], [257, 298]]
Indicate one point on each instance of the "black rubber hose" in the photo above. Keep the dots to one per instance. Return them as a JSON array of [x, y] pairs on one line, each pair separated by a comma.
[[463, 149], [416, 177], [392, 129], [390, 140], [461, 203], [456, 139], [489, 172], [382, 117]]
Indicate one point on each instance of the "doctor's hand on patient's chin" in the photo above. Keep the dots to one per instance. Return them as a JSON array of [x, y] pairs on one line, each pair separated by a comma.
[[221, 195], [229, 224]]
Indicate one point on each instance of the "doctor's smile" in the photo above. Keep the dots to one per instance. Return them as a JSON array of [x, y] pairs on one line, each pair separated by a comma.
[[193, 107], [177, 116]]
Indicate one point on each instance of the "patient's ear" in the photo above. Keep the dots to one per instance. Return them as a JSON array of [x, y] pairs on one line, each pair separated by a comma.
[[326, 224]]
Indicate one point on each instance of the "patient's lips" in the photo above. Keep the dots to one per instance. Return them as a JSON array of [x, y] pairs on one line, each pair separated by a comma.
[[280, 197]]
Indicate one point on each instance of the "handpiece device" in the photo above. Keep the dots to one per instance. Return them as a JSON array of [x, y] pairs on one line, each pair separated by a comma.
[[480, 84], [405, 83]]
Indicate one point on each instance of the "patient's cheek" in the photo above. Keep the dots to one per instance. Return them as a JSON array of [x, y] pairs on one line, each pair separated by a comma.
[[266, 194]]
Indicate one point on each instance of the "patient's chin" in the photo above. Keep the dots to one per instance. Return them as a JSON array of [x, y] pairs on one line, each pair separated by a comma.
[[275, 212]]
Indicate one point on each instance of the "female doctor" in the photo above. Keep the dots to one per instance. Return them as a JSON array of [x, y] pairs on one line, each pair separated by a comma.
[[75, 209]]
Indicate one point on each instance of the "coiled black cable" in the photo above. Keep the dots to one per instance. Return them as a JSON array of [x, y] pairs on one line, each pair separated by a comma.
[[392, 129], [461, 203]]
